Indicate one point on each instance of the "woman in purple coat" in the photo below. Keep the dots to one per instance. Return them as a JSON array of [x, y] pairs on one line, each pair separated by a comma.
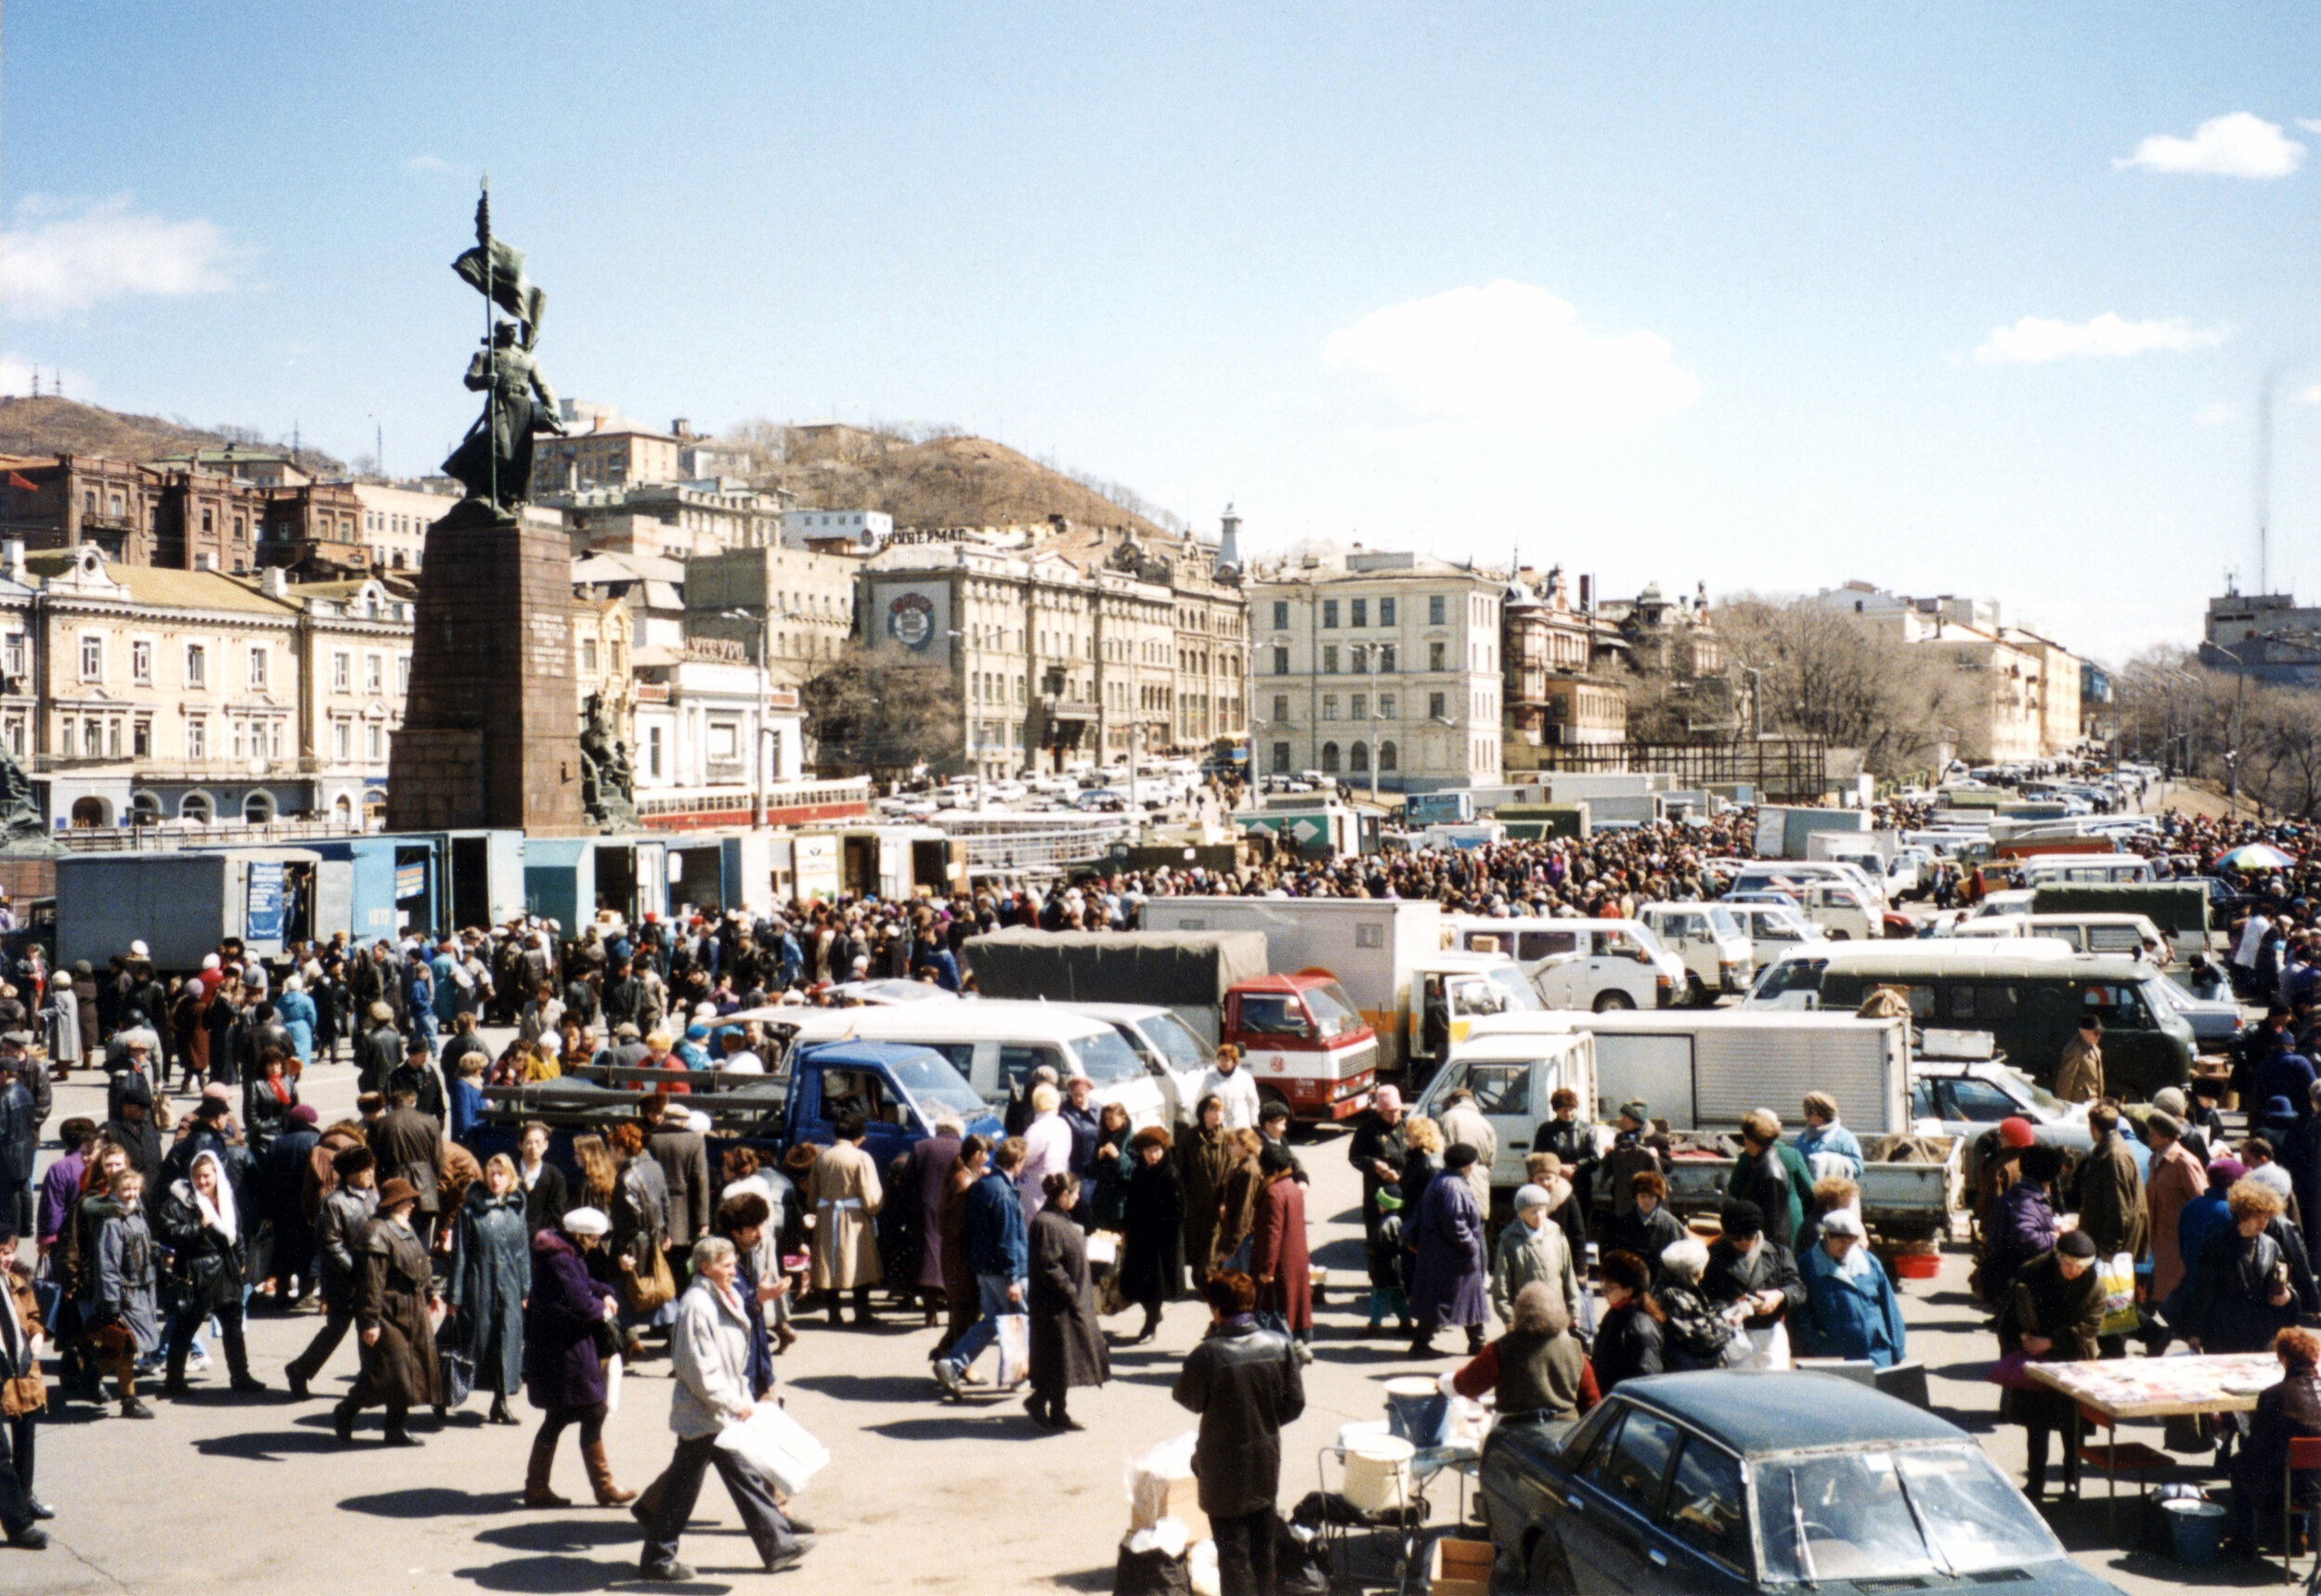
[[1448, 1286], [563, 1354]]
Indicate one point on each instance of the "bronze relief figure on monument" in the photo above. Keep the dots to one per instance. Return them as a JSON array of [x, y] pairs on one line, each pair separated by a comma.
[[491, 732]]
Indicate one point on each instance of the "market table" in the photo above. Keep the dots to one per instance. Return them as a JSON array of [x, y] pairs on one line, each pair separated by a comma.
[[2159, 1388]]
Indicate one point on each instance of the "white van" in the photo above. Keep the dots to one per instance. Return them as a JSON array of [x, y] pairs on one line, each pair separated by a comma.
[[2090, 933], [1579, 964], [1773, 929], [1173, 1051], [1715, 951], [2085, 870], [997, 1043]]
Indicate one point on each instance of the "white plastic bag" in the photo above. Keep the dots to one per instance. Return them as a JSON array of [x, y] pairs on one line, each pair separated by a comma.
[[777, 1445], [612, 1383], [1015, 1349]]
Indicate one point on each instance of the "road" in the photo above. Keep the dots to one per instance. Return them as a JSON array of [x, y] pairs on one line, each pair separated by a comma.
[[255, 1496]]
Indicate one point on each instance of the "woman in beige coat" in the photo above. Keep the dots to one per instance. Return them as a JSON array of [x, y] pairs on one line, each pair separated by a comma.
[[844, 1193]]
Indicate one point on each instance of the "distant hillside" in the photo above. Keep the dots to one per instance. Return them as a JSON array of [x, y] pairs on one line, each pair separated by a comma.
[[952, 480], [64, 426]]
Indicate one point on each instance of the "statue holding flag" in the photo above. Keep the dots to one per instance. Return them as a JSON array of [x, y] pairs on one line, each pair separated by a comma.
[[494, 462]]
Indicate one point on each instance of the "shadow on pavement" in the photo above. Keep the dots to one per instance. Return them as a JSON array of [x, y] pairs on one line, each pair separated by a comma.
[[871, 1387], [559, 1576], [269, 1445], [1009, 1424], [431, 1501], [566, 1534], [1088, 1579]]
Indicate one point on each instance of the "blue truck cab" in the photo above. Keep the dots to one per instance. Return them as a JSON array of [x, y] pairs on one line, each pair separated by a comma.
[[898, 1088]]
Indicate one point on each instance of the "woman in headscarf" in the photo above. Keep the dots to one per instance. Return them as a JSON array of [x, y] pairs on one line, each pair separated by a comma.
[[568, 1330], [492, 1275], [297, 1014], [1111, 1164], [2052, 1313], [1067, 1345], [1203, 1158], [200, 1224], [1152, 1228], [1627, 1340], [1448, 1278]]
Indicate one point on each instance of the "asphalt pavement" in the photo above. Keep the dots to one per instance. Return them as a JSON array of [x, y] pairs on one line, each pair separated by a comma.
[[255, 1495]]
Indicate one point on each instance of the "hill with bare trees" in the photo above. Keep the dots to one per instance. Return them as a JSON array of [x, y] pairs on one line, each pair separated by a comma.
[[51, 425]]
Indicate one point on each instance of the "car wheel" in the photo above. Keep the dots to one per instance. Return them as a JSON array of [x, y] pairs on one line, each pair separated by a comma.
[[1695, 993], [1548, 1573], [1608, 1001]]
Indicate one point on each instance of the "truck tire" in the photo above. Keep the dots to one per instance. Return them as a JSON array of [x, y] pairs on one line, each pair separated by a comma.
[[1548, 1573], [1696, 993], [1607, 1002]]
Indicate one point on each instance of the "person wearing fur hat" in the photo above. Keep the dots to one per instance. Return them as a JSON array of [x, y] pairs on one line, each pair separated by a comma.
[[1535, 1248], [568, 1322], [394, 1295], [340, 1220]]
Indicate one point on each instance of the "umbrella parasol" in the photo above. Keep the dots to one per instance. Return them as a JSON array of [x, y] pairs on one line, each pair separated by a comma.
[[2254, 856]]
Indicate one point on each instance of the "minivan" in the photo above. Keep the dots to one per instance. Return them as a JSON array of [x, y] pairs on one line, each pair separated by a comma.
[[1173, 1051], [2027, 992], [1715, 951], [996, 1044], [1579, 964], [2085, 870]]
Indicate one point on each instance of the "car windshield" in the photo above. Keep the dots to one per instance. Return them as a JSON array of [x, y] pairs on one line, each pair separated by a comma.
[[1722, 918], [1517, 994], [1940, 1511], [1333, 1010], [1175, 1040], [932, 1085], [1107, 1060], [1790, 975]]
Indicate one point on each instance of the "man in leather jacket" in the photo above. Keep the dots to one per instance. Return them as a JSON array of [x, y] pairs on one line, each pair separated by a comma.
[[1244, 1383]]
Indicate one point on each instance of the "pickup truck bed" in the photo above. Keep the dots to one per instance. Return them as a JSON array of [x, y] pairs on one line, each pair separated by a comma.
[[1900, 1201]]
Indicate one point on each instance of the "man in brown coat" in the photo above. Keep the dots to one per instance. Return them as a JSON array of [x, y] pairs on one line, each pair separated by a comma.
[[409, 1145], [2080, 1077], [395, 1292]]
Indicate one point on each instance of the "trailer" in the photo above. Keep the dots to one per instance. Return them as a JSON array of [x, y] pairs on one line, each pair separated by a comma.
[[183, 904], [1188, 972]]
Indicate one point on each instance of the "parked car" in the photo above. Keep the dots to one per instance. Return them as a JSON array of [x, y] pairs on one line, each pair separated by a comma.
[[1734, 1481]]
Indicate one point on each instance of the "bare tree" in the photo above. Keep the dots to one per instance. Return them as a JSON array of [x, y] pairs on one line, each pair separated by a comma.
[[866, 716], [1822, 672]]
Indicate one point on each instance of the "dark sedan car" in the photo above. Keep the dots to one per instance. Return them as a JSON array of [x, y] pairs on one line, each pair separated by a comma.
[[1734, 1481]]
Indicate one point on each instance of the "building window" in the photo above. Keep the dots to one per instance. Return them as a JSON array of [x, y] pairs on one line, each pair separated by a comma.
[[274, 741], [1281, 614], [196, 665], [1434, 706], [1358, 708], [237, 741], [724, 740], [141, 662], [1281, 662], [1386, 757], [1359, 757], [1359, 658], [587, 654], [12, 660], [1281, 709], [402, 673], [341, 671], [1386, 659], [92, 658], [1329, 758], [1330, 613], [16, 735], [653, 752], [341, 740], [196, 738], [375, 743], [1434, 656], [207, 525], [241, 529], [1329, 660], [1281, 758], [1361, 612], [93, 737], [1437, 609], [257, 667], [1330, 705], [1386, 707], [141, 739], [374, 673]]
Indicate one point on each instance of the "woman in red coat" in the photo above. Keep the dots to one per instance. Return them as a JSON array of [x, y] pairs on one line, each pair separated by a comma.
[[1277, 1255]]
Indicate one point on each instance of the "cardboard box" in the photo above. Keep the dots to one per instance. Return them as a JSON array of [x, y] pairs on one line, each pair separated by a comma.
[[1458, 1567], [1157, 1497]]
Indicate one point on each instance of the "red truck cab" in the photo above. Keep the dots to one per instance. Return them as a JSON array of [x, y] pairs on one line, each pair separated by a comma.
[[1305, 1042]]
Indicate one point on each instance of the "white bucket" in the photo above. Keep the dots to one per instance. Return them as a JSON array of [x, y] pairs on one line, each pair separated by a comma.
[[1377, 1474]]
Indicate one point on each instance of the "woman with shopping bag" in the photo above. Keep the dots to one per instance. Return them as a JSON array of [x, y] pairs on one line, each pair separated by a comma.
[[709, 1359], [567, 1337], [1067, 1344]]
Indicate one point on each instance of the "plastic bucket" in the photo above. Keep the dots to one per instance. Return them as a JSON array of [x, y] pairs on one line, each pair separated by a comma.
[[1917, 1265], [1416, 1410], [1378, 1474], [2197, 1530]]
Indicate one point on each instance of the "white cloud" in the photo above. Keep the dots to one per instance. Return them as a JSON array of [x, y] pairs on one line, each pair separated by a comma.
[[2310, 396], [2038, 338], [17, 374], [2219, 413], [60, 259], [1505, 358], [427, 163], [2310, 123], [2239, 145]]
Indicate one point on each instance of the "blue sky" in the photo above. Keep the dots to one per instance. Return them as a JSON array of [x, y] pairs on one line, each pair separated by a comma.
[[1951, 298]]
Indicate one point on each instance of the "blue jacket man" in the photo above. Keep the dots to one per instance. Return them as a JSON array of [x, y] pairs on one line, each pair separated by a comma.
[[998, 1252]]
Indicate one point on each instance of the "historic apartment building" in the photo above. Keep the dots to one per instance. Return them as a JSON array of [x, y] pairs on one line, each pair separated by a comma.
[[1378, 668]]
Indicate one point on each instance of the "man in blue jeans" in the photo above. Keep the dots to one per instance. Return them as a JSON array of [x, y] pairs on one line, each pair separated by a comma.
[[997, 1254]]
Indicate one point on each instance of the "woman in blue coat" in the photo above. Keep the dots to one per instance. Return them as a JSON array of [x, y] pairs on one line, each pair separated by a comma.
[[1448, 1281], [1851, 1308], [296, 1011], [491, 1276]]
